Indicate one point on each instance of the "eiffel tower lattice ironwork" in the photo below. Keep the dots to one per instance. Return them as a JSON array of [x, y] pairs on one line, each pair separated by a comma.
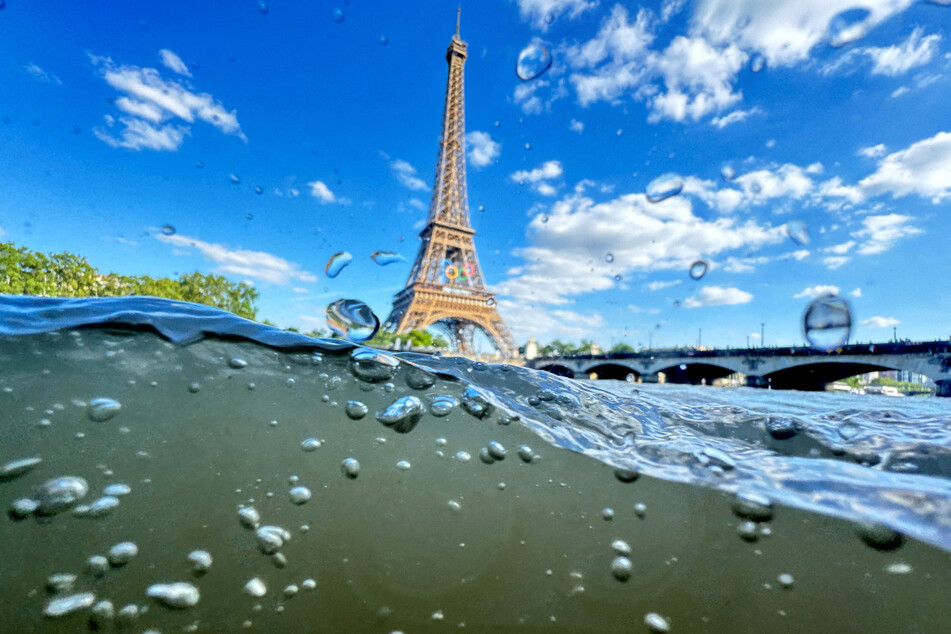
[[446, 283]]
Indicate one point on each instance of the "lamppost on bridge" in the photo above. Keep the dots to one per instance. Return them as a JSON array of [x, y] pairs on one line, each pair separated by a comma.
[[762, 334]]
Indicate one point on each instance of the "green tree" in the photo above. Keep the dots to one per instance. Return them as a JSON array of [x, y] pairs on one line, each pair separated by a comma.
[[26, 272], [621, 347]]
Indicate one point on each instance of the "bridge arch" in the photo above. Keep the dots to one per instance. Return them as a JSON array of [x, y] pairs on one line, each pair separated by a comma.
[[695, 373], [616, 371], [813, 377], [558, 370]]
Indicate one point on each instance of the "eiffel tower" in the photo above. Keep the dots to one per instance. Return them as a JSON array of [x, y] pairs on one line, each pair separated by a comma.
[[446, 283]]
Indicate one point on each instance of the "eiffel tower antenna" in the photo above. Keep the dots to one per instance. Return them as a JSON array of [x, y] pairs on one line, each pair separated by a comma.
[[445, 285]]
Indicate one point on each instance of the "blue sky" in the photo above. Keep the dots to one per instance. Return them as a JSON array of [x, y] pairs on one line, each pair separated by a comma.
[[119, 118]]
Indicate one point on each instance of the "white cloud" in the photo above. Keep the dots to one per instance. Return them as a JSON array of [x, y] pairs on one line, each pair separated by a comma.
[[656, 286], [41, 75], [526, 319], [321, 192], [2, 232], [743, 265], [718, 296], [566, 255], [406, 175], [482, 149], [538, 178], [856, 292], [638, 310], [799, 255], [576, 126], [174, 62], [698, 79], [541, 12], [138, 134], [815, 168], [624, 48], [881, 232], [873, 151], [734, 117], [835, 261], [880, 322], [784, 31], [898, 92], [923, 168], [895, 60], [812, 292], [840, 249], [251, 264], [152, 100], [527, 98]]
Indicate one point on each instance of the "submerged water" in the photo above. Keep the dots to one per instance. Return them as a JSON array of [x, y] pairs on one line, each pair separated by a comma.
[[169, 466]]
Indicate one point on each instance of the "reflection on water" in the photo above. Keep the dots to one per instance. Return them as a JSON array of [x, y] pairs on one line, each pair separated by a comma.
[[260, 479]]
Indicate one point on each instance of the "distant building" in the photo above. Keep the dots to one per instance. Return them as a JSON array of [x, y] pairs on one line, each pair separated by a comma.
[[531, 349]]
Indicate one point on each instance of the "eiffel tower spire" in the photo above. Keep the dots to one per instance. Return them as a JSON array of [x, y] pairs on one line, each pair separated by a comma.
[[445, 285]]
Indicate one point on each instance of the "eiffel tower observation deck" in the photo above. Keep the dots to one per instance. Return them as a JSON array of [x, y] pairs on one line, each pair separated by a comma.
[[446, 286]]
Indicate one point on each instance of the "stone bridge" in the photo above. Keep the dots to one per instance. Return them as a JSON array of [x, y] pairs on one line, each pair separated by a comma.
[[780, 368]]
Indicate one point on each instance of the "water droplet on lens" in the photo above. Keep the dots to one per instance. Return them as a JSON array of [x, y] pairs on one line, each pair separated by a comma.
[[59, 494], [16, 468], [176, 595], [752, 506], [249, 517], [402, 415], [372, 366], [352, 319], [338, 15], [122, 553], [533, 60], [262, 7], [621, 568], [698, 269], [168, 230], [234, 178], [490, 302], [258, 190], [200, 561], [798, 231], [97, 565], [442, 405], [386, 257], [481, 207], [626, 475], [664, 186], [609, 257], [827, 322], [102, 409], [255, 587], [336, 263], [355, 410], [755, 187], [384, 40], [350, 468], [300, 495], [62, 606], [656, 623], [747, 531], [880, 537], [199, 165], [311, 444], [475, 403], [848, 26], [419, 380], [727, 173], [757, 63]]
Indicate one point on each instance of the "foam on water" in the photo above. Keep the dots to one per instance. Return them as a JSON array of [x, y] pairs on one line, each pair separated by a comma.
[[618, 503]]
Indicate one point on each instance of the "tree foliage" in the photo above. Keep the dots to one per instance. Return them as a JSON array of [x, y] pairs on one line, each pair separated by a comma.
[[26, 272], [418, 339]]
